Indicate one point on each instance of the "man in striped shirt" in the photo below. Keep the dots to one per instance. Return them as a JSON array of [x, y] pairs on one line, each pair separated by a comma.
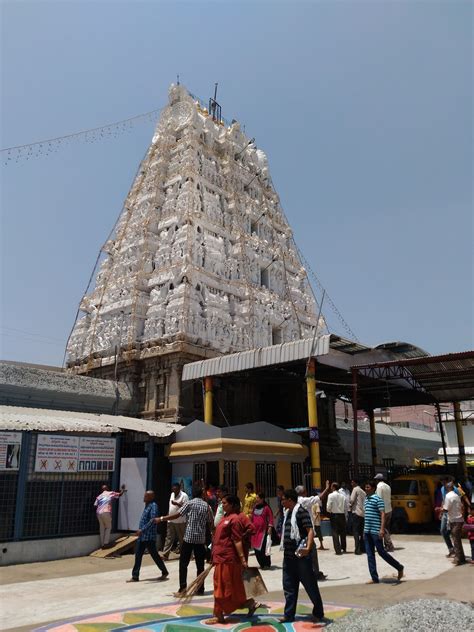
[[198, 515], [374, 522], [103, 507]]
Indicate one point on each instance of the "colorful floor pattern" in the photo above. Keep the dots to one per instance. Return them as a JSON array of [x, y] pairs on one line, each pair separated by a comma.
[[175, 617]]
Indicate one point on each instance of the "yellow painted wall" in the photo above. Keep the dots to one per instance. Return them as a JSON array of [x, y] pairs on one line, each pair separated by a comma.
[[246, 473], [284, 474], [246, 470]]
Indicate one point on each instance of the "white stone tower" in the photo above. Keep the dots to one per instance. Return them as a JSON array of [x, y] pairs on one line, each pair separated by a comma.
[[202, 255]]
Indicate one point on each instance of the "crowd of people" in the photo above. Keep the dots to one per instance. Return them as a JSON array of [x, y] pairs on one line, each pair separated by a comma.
[[217, 526]]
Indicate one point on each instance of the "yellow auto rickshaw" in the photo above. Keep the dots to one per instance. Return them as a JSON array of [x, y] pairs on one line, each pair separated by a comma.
[[413, 500]]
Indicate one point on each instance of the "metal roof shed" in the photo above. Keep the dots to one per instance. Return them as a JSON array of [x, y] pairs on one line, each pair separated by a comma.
[[391, 374], [433, 380]]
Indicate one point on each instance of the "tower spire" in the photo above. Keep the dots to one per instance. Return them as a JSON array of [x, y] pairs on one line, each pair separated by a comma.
[[215, 109]]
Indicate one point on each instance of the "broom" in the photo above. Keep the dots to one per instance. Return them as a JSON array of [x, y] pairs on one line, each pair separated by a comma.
[[196, 585]]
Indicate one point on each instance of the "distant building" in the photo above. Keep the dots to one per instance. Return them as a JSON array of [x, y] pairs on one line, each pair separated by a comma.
[[416, 417]]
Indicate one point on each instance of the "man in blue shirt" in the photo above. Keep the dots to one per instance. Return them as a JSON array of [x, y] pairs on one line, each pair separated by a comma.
[[147, 538], [374, 522]]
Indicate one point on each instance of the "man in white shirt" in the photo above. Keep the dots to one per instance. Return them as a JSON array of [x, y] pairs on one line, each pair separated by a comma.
[[335, 507], [357, 508], [453, 507], [308, 502], [385, 493], [176, 528], [347, 496], [347, 507]]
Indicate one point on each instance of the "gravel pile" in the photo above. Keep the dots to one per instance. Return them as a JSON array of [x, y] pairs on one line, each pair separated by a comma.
[[422, 615]]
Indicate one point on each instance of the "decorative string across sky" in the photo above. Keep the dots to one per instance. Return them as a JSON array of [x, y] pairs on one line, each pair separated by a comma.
[[51, 145], [111, 130]]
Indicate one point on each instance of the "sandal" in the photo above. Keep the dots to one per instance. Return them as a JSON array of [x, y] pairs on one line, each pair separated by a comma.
[[214, 621]]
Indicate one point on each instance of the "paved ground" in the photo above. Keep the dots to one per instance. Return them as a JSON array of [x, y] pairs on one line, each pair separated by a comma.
[[35, 594]]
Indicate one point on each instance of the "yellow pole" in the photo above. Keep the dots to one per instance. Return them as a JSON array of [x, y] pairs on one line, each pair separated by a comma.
[[208, 400], [313, 424], [460, 437]]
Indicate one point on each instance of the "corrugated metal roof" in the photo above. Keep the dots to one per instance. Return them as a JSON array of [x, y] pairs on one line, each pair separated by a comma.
[[443, 378], [43, 420], [403, 349], [347, 346], [255, 358], [17, 418], [448, 378]]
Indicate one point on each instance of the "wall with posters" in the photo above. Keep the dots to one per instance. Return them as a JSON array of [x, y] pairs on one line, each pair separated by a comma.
[[49, 482], [183, 475], [10, 450], [66, 453]]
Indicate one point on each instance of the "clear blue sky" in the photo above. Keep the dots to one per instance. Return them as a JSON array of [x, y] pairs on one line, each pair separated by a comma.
[[364, 110]]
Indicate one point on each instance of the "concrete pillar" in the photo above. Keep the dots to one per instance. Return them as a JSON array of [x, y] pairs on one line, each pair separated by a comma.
[[174, 387], [151, 392]]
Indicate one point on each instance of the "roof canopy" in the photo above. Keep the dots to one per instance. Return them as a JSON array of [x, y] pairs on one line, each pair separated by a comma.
[[237, 442], [391, 374], [431, 379], [16, 418], [257, 431], [330, 350]]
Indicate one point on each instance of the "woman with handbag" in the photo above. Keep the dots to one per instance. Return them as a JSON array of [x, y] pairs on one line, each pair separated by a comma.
[[262, 520]]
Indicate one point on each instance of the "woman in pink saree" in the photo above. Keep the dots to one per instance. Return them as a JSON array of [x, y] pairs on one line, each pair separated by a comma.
[[262, 520]]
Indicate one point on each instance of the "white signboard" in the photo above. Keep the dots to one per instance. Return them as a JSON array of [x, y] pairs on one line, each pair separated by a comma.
[[10, 448], [62, 453], [96, 454], [56, 453]]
